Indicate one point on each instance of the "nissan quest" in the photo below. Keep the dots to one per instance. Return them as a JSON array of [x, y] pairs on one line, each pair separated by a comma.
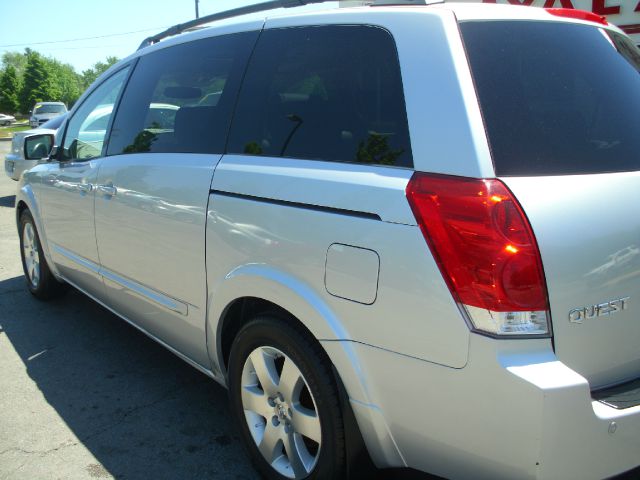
[[401, 236]]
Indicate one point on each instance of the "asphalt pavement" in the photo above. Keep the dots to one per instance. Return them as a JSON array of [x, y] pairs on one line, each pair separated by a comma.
[[83, 395]]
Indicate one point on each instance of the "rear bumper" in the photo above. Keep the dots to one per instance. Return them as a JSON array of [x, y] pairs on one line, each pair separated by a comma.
[[514, 411]]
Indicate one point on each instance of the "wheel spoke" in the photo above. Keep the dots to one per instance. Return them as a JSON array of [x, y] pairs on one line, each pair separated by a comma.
[[270, 444], [307, 423], [35, 276], [291, 381], [256, 401], [295, 454], [265, 369]]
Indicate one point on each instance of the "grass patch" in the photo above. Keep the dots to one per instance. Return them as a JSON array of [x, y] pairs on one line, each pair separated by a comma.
[[7, 132]]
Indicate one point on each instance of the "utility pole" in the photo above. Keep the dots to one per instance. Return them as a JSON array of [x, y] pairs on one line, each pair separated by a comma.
[[197, 13]]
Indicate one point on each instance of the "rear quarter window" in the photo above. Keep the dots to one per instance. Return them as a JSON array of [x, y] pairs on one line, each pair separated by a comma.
[[330, 93], [557, 98]]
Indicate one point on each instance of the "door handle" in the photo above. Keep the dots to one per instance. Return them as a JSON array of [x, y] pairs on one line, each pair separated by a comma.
[[107, 190], [85, 187], [50, 179]]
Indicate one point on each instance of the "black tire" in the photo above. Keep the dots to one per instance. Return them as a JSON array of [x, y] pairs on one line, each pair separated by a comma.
[[44, 285], [273, 333]]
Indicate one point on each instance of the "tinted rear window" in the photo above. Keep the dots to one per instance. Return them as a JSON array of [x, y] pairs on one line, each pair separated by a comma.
[[330, 93], [556, 98]]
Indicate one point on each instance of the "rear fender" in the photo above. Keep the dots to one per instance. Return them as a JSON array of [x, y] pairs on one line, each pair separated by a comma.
[[286, 291], [289, 293]]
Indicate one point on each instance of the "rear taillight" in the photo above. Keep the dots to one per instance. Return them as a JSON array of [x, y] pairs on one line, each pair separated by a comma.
[[486, 251]]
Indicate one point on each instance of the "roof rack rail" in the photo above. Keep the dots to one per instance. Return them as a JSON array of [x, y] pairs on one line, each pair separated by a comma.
[[236, 12], [263, 7]]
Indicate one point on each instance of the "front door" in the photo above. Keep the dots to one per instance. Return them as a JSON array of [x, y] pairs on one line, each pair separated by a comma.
[[67, 190]]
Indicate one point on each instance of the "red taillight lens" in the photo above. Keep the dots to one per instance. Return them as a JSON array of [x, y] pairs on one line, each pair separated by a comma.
[[577, 14], [482, 241]]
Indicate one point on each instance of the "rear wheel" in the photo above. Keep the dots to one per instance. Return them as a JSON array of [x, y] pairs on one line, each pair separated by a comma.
[[40, 281], [285, 400]]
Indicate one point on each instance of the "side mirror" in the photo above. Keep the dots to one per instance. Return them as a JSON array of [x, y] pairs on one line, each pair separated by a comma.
[[38, 147]]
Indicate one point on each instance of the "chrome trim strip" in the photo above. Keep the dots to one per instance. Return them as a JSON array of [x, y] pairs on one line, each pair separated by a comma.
[[140, 290], [146, 293], [94, 267]]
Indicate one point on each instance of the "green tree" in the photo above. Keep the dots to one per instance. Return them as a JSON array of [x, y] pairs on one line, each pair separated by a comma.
[[37, 85], [9, 89], [91, 74], [16, 60], [66, 83]]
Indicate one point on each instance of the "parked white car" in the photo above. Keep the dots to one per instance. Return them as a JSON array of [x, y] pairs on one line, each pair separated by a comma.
[[6, 120], [161, 115], [44, 111], [14, 162]]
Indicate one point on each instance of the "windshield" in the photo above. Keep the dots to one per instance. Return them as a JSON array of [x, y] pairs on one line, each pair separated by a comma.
[[557, 98], [49, 109]]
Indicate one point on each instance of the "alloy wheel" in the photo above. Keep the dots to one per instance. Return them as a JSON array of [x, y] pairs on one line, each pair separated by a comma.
[[31, 255], [281, 412]]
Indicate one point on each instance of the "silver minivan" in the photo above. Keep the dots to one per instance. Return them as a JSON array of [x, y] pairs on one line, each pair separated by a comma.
[[404, 236]]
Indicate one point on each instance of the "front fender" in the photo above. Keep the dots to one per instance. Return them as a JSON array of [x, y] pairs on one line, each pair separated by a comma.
[[27, 196]]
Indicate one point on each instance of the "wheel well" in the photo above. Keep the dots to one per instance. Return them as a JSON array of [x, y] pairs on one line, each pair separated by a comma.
[[20, 207], [240, 312]]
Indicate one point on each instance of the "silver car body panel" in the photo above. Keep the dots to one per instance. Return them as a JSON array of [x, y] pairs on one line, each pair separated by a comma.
[[158, 278], [66, 198], [362, 189], [26, 197], [464, 423], [589, 245], [254, 244]]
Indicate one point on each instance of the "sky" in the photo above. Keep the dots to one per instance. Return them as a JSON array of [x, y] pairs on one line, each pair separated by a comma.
[[47, 25]]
